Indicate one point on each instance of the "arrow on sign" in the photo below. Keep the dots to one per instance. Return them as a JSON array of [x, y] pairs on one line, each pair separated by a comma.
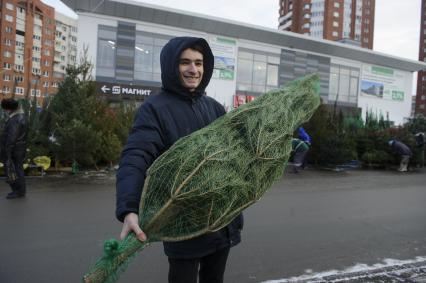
[[105, 89]]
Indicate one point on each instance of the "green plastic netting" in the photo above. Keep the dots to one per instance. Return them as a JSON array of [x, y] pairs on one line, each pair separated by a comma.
[[209, 177]]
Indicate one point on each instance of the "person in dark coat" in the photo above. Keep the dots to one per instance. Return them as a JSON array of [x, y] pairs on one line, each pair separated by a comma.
[[13, 147], [399, 148], [420, 143], [298, 153], [180, 108]]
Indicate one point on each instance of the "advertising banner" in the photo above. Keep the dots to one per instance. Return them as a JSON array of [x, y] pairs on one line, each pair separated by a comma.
[[383, 83], [224, 52]]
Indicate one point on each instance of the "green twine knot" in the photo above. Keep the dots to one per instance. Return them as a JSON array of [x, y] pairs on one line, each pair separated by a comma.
[[111, 247]]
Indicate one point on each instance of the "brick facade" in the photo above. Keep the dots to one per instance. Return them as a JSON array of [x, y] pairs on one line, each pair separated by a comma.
[[299, 13], [421, 79], [27, 33]]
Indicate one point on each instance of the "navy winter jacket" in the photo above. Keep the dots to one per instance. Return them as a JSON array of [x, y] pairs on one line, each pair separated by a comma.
[[14, 136], [161, 120], [400, 148]]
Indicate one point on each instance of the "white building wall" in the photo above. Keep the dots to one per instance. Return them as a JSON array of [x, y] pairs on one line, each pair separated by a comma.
[[223, 90]]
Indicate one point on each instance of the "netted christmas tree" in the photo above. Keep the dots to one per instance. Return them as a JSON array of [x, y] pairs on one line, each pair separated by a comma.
[[208, 178]]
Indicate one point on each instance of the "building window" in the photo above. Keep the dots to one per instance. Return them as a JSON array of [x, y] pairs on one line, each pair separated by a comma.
[[257, 72], [336, 5], [8, 42], [9, 18], [35, 92], [7, 66], [19, 90], [47, 52], [46, 74], [7, 54], [36, 71], [336, 14], [6, 89], [19, 44], [335, 33], [19, 79], [19, 67], [6, 78], [9, 6], [9, 29], [335, 24], [46, 84], [106, 58], [344, 82]]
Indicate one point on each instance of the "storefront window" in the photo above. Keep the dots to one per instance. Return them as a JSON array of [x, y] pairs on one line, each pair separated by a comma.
[[147, 56], [343, 84], [244, 74], [106, 58], [257, 72], [272, 75]]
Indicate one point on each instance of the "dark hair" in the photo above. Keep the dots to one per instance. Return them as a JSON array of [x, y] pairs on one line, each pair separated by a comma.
[[9, 104], [197, 47]]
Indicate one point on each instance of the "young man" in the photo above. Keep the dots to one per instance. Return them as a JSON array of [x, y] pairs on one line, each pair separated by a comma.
[[14, 147], [180, 108]]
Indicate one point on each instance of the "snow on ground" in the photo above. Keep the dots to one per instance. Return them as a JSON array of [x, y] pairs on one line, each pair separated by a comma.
[[361, 272]]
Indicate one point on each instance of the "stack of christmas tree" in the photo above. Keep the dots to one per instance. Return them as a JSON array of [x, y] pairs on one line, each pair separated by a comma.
[[209, 177]]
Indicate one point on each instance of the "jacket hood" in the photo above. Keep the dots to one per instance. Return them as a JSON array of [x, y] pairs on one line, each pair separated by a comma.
[[169, 60]]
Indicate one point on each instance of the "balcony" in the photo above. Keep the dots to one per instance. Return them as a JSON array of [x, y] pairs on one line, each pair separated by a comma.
[[287, 16]]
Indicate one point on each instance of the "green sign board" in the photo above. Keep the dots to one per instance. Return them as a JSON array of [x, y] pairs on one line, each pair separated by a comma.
[[381, 71], [397, 95]]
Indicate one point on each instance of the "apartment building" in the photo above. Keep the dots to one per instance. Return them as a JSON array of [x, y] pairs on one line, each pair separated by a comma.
[[65, 46], [29, 41], [348, 21], [421, 78]]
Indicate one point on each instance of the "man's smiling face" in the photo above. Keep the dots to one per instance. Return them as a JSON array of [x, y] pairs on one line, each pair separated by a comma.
[[191, 68]]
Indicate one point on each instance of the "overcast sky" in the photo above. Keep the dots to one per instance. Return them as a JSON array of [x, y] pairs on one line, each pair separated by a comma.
[[396, 32]]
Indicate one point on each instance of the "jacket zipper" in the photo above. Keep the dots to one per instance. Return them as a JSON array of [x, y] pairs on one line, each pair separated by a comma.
[[197, 114]]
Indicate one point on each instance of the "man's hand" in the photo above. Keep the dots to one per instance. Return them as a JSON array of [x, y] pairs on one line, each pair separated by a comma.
[[131, 223]]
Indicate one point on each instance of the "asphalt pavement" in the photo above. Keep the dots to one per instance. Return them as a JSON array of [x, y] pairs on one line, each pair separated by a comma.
[[311, 222]]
